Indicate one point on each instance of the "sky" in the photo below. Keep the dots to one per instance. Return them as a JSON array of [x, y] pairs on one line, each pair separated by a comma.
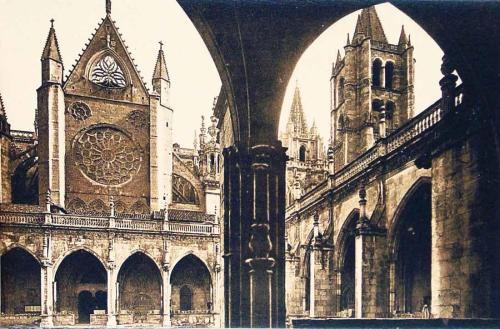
[[24, 25]]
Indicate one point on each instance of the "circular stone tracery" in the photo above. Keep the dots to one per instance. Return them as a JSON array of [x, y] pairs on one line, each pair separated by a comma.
[[107, 155]]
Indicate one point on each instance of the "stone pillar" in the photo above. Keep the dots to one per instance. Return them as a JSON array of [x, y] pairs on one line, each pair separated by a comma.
[[371, 272], [382, 123], [167, 292], [254, 231], [47, 292], [166, 287], [112, 295]]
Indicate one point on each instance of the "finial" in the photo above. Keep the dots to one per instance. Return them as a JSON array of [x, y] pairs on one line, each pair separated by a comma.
[[161, 45], [108, 7], [52, 23], [348, 39]]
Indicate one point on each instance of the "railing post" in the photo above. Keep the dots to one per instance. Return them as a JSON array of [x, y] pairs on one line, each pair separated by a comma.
[[448, 86]]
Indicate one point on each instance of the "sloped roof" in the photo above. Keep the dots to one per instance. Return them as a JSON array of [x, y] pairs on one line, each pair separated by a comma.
[[189, 216], [161, 71], [369, 25], [51, 49]]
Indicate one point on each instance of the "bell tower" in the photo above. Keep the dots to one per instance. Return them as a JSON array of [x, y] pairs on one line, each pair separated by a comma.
[[373, 77]]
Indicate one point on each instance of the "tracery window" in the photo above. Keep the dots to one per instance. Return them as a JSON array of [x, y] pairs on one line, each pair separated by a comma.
[[183, 191], [77, 205], [107, 155], [107, 73], [80, 111]]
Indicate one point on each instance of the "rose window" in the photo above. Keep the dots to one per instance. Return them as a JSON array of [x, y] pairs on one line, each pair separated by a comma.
[[107, 156], [80, 111], [107, 73]]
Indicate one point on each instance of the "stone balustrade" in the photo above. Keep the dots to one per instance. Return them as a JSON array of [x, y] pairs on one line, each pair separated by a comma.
[[401, 137], [81, 221]]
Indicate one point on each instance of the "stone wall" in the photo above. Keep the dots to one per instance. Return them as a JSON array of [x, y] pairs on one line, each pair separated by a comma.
[[465, 261]]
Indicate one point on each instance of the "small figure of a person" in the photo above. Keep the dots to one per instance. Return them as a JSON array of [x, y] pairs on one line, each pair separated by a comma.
[[426, 310]]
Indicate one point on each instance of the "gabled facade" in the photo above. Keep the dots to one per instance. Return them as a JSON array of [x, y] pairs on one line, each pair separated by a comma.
[[105, 220]]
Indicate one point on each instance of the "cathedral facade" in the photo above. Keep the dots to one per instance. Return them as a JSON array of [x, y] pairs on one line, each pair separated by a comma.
[[104, 220], [372, 239]]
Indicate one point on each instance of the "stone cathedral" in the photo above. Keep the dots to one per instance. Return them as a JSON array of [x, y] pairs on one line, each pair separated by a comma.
[[372, 239], [104, 219]]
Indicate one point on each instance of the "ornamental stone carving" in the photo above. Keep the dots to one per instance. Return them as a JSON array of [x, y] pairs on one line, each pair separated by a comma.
[[107, 155], [107, 73], [80, 111], [138, 119]]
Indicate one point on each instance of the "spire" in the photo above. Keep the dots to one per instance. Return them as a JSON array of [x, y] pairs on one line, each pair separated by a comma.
[[409, 40], [369, 25], [314, 128], [359, 28], [2, 108], [339, 58], [4, 125], [297, 117], [161, 71], [51, 49], [402, 37], [348, 40], [108, 7]]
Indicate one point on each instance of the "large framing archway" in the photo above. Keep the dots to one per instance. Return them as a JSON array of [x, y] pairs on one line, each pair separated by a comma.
[[80, 282], [20, 282], [139, 289], [411, 244], [255, 92]]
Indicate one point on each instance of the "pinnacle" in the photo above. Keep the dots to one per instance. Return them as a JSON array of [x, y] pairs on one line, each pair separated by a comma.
[[297, 116], [402, 37], [51, 49], [161, 71], [2, 108]]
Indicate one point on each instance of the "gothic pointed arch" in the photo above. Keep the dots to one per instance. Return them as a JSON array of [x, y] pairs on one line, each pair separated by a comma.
[[20, 282], [183, 191], [139, 280], [345, 262], [25, 182], [410, 246], [77, 205], [79, 276], [191, 285]]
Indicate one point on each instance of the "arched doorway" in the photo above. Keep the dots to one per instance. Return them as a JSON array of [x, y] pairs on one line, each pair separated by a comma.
[[139, 281], [78, 279], [21, 277], [191, 286], [186, 298], [346, 265], [86, 304], [412, 250]]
